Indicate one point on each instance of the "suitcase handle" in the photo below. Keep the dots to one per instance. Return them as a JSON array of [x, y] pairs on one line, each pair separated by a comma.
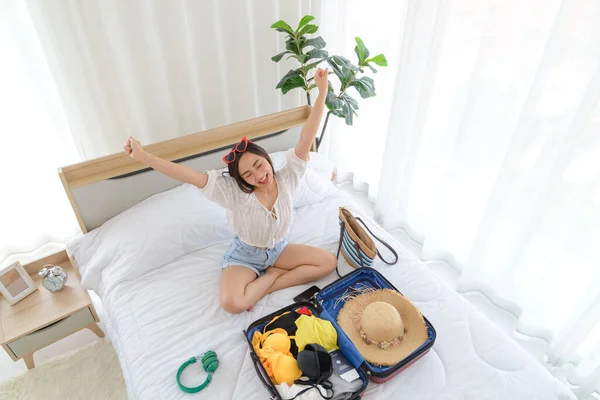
[[255, 361]]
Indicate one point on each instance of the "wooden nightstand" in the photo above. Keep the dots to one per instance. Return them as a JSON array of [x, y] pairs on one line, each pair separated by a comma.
[[43, 318]]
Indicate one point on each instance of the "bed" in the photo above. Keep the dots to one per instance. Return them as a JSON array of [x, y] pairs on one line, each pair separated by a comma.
[[156, 269]]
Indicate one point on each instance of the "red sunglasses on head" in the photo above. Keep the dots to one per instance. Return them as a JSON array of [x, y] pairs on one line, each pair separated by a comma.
[[239, 148]]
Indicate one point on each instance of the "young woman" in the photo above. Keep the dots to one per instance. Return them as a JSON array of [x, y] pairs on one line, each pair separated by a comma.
[[259, 203]]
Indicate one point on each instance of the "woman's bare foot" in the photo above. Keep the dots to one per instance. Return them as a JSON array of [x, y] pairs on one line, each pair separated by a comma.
[[273, 273], [276, 272]]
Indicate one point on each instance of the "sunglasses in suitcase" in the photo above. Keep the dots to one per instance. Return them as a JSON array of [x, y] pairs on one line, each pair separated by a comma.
[[326, 305]]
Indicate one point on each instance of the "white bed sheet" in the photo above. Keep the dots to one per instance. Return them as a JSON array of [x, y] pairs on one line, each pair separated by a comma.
[[159, 320]]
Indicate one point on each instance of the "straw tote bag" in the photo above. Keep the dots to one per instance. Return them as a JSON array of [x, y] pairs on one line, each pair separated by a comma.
[[356, 245]]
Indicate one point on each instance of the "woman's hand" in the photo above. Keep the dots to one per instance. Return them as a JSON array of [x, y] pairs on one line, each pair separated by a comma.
[[321, 79], [134, 149]]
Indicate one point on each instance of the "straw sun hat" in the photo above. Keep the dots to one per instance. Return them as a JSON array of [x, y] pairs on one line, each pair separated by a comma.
[[384, 326]]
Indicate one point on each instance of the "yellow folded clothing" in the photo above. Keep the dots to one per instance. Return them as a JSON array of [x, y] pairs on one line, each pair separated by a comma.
[[315, 330], [273, 351]]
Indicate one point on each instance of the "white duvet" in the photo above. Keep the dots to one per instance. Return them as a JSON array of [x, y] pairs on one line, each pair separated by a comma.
[[161, 309]]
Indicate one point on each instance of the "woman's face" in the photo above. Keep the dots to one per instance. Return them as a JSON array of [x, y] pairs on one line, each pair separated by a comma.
[[255, 170]]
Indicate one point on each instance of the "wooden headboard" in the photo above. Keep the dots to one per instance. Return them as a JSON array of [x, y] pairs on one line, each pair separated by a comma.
[[101, 188]]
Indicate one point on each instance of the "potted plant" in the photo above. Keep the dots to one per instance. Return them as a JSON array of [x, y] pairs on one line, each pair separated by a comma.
[[309, 52]]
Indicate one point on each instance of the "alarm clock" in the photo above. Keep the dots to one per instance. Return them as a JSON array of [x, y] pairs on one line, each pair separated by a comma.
[[53, 277]]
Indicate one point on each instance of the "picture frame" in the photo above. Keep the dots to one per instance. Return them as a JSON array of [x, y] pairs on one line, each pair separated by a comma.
[[15, 283]]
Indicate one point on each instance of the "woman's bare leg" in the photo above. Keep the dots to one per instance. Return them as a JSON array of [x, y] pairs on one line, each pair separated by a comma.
[[299, 264], [241, 288]]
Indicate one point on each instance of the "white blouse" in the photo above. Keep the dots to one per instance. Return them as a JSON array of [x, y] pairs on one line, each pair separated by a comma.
[[248, 218]]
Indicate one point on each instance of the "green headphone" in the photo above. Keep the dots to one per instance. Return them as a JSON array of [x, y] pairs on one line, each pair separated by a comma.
[[210, 363]]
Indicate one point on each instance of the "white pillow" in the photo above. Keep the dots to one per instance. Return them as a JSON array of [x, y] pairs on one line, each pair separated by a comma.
[[316, 185], [314, 189], [317, 161], [148, 235]]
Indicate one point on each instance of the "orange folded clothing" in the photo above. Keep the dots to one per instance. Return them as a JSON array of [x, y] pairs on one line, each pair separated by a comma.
[[273, 351]]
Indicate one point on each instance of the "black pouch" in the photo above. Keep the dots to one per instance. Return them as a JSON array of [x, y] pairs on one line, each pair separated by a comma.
[[316, 364]]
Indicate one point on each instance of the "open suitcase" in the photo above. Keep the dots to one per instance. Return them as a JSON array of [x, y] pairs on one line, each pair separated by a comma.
[[324, 306]]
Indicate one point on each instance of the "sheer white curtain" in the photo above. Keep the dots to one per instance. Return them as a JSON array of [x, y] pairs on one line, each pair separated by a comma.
[[488, 154], [160, 69], [35, 141]]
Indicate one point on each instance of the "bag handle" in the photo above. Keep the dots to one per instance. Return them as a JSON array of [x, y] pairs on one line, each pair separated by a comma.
[[390, 248], [339, 248]]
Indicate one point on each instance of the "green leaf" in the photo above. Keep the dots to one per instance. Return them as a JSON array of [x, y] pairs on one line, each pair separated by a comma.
[[310, 66], [348, 74], [344, 62], [317, 53], [292, 46], [351, 101], [345, 113], [340, 77], [379, 59], [336, 69], [361, 51], [292, 73], [292, 83], [300, 42], [338, 113], [341, 61], [333, 102], [278, 57], [345, 72], [364, 86], [281, 26], [305, 20], [307, 29], [348, 114], [302, 57], [345, 76], [370, 66], [317, 43], [311, 87]]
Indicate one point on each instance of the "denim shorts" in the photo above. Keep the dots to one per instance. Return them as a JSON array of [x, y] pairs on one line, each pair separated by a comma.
[[258, 259]]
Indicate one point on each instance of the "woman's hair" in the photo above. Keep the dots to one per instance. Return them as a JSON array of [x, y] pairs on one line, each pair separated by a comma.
[[235, 173]]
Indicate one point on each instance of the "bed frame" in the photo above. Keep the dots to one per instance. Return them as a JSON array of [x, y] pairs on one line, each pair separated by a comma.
[[101, 188]]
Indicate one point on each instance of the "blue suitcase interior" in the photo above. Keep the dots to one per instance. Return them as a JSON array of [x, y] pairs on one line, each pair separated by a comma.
[[327, 300]]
